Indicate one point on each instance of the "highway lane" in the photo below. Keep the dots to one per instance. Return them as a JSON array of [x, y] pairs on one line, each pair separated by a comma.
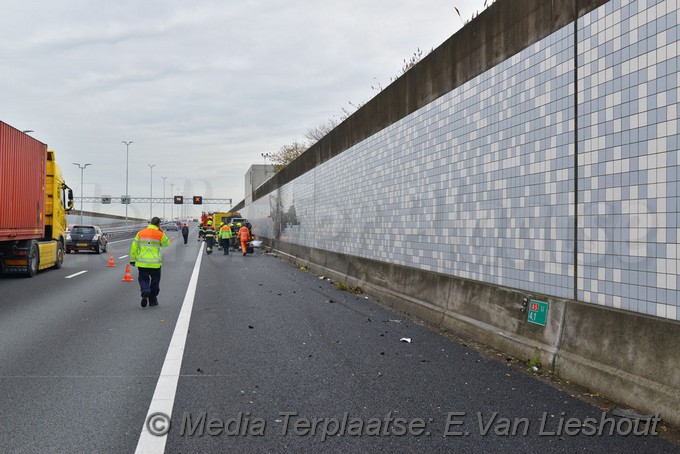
[[278, 346], [80, 358], [80, 363]]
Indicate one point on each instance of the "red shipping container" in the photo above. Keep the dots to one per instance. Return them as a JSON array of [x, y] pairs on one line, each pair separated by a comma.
[[22, 185]]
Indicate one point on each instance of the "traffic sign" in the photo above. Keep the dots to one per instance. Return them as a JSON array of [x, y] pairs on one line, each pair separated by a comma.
[[198, 200], [179, 200], [538, 312]]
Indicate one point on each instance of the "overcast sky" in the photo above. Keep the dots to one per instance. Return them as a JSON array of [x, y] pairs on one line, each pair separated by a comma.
[[203, 88]]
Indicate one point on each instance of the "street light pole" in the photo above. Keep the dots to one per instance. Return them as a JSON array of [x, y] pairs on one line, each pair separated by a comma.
[[82, 168], [181, 208], [164, 178], [127, 160], [151, 166], [172, 207]]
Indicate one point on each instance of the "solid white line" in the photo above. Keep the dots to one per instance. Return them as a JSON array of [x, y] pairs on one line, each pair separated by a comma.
[[122, 256], [164, 396], [74, 275]]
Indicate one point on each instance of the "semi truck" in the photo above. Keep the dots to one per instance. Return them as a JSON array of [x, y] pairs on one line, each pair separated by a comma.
[[34, 201]]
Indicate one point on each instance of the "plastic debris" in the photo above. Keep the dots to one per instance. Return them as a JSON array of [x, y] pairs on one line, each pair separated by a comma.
[[405, 339]]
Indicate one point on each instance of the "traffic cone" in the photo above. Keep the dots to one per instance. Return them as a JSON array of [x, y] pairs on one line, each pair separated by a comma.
[[127, 277], [111, 260]]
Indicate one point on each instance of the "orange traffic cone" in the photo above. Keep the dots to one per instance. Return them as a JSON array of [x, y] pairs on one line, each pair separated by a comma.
[[127, 277], [111, 260]]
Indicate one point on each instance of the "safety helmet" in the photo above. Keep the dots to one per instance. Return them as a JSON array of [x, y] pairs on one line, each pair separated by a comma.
[[209, 222], [239, 225]]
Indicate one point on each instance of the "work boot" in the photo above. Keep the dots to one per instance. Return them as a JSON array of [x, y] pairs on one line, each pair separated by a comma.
[[145, 298], [153, 303]]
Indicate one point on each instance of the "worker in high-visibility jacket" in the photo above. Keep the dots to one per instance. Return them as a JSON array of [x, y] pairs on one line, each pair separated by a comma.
[[218, 241], [201, 231], [145, 254], [209, 235], [234, 234], [244, 238], [224, 236]]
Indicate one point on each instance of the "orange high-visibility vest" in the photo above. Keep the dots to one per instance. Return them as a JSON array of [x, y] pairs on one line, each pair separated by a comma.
[[244, 234]]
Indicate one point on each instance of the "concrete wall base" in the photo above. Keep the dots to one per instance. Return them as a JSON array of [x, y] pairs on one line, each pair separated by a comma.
[[627, 357]]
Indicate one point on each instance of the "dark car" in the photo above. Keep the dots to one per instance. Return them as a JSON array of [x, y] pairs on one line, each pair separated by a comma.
[[86, 238]]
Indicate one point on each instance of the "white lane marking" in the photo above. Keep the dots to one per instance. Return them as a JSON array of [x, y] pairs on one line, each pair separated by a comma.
[[122, 256], [74, 275], [164, 396]]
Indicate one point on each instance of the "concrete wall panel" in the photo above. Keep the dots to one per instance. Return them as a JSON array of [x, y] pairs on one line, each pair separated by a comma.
[[626, 356]]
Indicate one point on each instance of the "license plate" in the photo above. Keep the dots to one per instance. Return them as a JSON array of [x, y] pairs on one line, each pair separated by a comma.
[[82, 244]]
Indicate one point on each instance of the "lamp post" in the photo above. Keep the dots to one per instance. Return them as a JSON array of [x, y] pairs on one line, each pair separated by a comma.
[[82, 168], [266, 156], [181, 208], [127, 155], [172, 207], [151, 166], [164, 178]]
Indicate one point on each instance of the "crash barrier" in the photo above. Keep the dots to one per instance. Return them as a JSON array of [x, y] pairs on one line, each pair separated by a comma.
[[627, 357], [118, 233]]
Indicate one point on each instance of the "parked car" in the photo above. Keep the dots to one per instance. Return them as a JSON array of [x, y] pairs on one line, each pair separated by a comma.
[[86, 238], [169, 226]]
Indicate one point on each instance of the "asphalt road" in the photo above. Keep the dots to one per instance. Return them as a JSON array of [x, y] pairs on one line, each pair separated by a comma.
[[275, 360]]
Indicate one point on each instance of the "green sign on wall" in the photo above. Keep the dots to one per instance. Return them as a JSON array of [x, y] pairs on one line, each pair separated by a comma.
[[538, 312]]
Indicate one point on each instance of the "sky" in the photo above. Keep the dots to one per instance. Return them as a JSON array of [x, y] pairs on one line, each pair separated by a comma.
[[202, 88]]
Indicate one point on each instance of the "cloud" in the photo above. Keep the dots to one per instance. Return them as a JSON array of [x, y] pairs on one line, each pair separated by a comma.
[[203, 88]]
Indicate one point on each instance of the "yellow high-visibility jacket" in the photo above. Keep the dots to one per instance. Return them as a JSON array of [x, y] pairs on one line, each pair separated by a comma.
[[225, 232], [146, 247]]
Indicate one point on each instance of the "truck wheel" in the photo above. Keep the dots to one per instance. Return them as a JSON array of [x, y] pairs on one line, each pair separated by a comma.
[[60, 256], [33, 259]]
